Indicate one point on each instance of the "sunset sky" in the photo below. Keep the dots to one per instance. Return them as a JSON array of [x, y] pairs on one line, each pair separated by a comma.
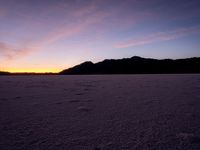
[[51, 35]]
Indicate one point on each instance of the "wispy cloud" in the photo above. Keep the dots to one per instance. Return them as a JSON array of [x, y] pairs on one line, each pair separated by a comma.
[[2, 12], [10, 52], [73, 19], [73, 29], [159, 36], [65, 19]]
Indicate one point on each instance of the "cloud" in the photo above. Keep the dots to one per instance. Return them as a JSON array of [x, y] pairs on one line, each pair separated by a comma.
[[86, 9], [11, 52], [73, 29], [66, 19], [72, 19], [3, 12], [159, 36]]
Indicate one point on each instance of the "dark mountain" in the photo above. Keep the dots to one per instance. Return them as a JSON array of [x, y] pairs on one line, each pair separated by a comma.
[[4, 73], [84, 68], [137, 65]]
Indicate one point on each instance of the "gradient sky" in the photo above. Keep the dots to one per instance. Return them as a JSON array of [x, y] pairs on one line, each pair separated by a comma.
[[51, 35]]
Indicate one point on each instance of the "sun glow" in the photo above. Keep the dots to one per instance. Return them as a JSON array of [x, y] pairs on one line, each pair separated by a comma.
[[40, 70]]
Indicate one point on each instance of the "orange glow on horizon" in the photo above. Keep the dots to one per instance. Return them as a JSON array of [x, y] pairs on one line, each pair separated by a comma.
[[15, 70]]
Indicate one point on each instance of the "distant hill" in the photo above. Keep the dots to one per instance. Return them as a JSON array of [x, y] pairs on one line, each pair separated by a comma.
[[4, 73], [137, 65], [27, 73]]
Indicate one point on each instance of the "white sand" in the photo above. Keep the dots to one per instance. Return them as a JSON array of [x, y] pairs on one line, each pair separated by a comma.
[[100, 112]]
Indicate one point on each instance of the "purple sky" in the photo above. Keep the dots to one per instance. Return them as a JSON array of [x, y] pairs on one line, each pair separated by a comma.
[[51, 35]]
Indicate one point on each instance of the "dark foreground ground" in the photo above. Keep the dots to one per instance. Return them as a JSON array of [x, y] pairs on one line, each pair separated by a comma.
[[120, 112]]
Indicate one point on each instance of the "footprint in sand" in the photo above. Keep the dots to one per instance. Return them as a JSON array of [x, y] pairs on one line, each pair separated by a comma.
[[74, 101], [3, 99], [17, 97], [89, 100], [58, 103], [79, 93], [86, 89], [83, 109], [190, 137]]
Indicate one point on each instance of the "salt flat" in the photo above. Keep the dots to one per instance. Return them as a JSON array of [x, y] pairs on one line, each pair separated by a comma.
[[109, 112]]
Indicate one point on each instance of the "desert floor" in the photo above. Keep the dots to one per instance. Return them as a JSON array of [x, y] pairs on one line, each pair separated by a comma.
[[100, 112]]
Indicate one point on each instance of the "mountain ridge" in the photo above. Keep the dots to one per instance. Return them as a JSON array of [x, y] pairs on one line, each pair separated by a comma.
[[136, 65], [4, 73]]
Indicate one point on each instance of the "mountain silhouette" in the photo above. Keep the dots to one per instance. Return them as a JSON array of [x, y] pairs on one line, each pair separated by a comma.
[[4, 73], [136, 65]]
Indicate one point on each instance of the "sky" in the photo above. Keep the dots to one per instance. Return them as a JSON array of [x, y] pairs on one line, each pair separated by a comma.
[[52, 35]]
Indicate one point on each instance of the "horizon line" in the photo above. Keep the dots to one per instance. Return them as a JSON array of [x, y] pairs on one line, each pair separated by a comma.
[[56, 72]]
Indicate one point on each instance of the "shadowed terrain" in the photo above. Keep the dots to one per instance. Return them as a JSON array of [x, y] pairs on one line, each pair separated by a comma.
[[100, 112]]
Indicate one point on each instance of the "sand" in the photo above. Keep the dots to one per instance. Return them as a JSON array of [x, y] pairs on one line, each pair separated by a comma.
[[100, 112]]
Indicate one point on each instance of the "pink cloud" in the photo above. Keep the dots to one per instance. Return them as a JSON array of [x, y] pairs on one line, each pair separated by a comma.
[[13, 52], [86, 16], [73, 29], [86, 10], [159, 36], [3, 12]]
